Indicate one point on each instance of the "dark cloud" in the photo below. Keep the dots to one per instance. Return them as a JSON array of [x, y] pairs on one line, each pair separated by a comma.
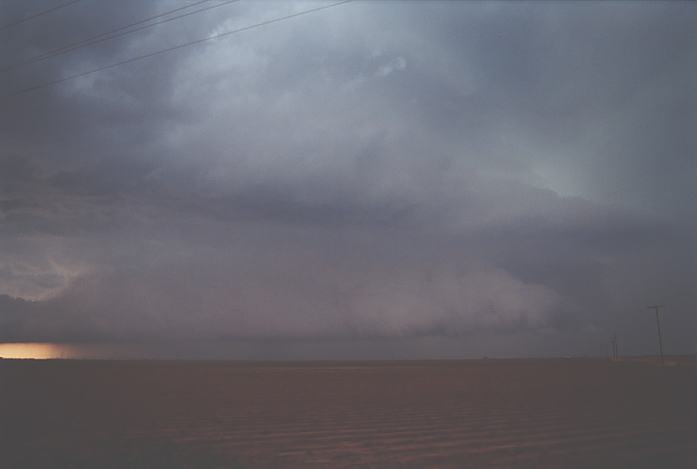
[[407, 174]]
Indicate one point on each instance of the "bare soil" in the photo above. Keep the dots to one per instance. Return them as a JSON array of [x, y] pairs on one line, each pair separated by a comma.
[[572, 413]]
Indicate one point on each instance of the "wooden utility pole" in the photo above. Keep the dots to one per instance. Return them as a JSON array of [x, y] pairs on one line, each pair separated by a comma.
[[657, 308]]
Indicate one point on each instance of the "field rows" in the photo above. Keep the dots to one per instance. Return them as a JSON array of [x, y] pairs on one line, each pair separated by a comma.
[[469, 414]]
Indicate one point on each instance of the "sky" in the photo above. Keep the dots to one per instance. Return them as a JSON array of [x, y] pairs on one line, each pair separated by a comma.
[[375, 179]]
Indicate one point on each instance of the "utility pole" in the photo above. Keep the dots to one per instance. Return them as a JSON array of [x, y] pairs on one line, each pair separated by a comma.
[[657, 308]]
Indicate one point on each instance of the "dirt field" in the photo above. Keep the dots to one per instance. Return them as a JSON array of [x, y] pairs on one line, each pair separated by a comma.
[[459, 414]]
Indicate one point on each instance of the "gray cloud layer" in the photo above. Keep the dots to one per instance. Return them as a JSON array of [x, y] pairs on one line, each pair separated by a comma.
[[516, 171]]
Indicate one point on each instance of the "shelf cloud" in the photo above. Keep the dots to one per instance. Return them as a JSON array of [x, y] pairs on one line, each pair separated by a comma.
[[373, 170]]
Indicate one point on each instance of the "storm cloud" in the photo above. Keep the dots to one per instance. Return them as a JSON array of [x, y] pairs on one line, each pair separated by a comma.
[[519, 171]]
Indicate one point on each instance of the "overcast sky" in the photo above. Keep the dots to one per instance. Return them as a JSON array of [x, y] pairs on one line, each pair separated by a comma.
[[373, 179]]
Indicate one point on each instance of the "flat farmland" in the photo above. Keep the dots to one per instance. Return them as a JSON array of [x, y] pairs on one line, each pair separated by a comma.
[[575, 413]]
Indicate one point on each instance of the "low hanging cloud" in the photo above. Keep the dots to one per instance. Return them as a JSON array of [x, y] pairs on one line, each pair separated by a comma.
[[282, 303]]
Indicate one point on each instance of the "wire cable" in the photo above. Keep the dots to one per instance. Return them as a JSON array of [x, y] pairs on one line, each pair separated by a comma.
[[177, 47], [116, 33], [36, 15]]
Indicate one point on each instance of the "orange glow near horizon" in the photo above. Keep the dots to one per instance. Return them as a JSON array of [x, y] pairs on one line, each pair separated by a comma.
[[32, 350]]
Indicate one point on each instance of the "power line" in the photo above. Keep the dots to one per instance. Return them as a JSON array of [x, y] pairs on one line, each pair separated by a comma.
[[177, 47], [116, 33], [657, 308], [116, 30], [36, 15], [615, 348]]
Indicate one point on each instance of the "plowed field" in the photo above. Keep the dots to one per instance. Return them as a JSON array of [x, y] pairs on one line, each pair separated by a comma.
[[456, 414]]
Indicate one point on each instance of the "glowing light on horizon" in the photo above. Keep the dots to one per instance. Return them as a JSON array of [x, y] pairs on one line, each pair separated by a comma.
[[38, 351]]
